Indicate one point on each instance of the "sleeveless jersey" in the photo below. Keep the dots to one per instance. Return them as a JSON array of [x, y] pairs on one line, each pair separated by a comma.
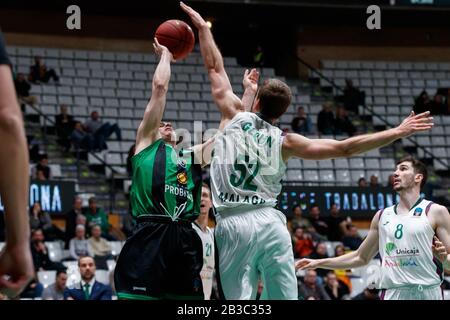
[[405, 248], [247, 167], [166, 182], [208, 259]]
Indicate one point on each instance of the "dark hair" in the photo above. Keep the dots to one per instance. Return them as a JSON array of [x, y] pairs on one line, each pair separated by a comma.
[[295, 207], [418, 166], [274, 98], [58, 272]]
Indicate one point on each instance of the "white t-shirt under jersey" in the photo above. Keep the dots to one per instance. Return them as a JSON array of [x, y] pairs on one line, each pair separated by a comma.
[[247, 165], [405, 248], [208, 259]]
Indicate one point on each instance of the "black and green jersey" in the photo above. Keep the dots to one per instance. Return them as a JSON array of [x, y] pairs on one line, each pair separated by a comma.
[[166, 182]]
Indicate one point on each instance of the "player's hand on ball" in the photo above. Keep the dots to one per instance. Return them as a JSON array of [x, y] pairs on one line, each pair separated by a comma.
[[304, 264], [439, 250], [160, 50], [415, 123], [251, 79], [196, 18]]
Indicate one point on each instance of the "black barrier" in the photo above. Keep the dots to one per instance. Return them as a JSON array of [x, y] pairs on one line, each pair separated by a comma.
[[353, 201], [56, 197]]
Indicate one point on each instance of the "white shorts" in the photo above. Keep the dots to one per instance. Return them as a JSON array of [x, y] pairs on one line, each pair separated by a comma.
[[415, 292], [251, 245]]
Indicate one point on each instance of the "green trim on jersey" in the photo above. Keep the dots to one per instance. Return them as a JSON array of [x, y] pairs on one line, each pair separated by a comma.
[[131, 296], [166, 182]]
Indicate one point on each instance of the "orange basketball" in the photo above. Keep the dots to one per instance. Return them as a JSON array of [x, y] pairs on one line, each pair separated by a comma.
[[177, 36]]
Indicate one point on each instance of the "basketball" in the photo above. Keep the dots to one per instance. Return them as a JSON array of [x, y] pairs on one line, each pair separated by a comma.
[[177, 36]]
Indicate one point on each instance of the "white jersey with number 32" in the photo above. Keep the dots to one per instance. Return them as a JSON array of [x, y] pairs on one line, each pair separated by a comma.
[[247, 166]]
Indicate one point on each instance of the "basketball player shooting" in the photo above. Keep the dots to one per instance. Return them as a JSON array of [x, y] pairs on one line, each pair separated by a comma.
[[412, 237], [246, 172]]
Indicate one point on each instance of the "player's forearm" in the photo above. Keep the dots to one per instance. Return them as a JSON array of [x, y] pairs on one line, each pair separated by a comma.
[[208, 48], [14, 164], [161, 77], [346, 261], [363, 143], [247, 98]]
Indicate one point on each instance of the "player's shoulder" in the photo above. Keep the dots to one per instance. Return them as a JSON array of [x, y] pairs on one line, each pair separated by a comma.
[[437, 209]]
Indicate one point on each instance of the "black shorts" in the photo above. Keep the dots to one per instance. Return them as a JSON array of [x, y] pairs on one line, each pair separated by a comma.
[[161, 260]]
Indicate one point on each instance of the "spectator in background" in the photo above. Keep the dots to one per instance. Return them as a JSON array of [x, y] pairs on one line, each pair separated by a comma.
[[438, 106], [390, 182], [352, 240], [374, 181], [298, 221], [23, 88], [309, 290], [97, 216], [79, 246], [368, 294], [352, 97], [88, 288], [101, 131], [320, 252], [100, 247], [40, 175], [44, 167], [82, 139], [33, 290], [302, 123], [302, 243], [40, 219], [317, 222], [325, 119], [342, 123], [39, 252], [40, 73], [258, 57], [422, 103], [55, 291], [341, 274], [337, 226], [362, 183], [335, 289], [71, 219], [64, 125]]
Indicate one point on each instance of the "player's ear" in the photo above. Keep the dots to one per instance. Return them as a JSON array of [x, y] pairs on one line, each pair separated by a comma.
[[418, 177]]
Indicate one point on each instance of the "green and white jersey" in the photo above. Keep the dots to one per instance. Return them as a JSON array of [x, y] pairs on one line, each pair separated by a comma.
[[208, 259], [247, 166], [405, 248], [166, 182]]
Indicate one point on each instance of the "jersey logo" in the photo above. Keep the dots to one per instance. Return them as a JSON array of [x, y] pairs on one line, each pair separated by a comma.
[[417, 212], [182, 178], [385, 223], [182, 163], [178, 210], [389, 248]]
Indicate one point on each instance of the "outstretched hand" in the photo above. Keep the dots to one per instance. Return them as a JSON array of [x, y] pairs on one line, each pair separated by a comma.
[[196, 18], [306, 264], [251, 79], [160, 50], [415, 123]]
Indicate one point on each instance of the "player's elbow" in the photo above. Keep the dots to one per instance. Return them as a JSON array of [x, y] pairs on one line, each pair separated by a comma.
[[10, 123], [160, 88], [344, 149]]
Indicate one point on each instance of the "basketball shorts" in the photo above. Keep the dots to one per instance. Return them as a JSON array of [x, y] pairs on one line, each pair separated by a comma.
[[254, 245], [161, 260], [413, 292]]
